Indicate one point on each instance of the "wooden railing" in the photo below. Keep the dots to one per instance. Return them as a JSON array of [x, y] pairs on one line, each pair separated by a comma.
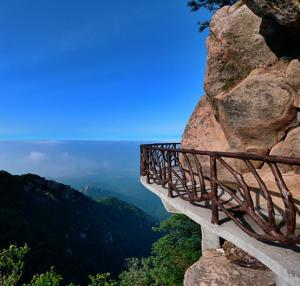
[[251, 190]]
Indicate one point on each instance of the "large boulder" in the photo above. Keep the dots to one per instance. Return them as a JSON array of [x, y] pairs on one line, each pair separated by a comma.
[[235, 47], [256, 113], [216, 269], [285, 12], [252, 93]]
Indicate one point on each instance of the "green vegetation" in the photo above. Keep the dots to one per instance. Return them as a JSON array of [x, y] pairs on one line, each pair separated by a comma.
[[12, 264], [72, 238], [65, 229], [101, 280], [12, 267], [49, 278], [210, 5], [171, 255]]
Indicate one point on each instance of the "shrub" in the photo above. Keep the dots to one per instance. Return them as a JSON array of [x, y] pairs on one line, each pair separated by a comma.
[[12, 264]]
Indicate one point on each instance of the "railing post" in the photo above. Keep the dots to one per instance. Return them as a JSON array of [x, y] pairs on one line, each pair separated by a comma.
[[144, 168], [170, 191], [160, 163], [214, 190], [143, 171], [164, 168]]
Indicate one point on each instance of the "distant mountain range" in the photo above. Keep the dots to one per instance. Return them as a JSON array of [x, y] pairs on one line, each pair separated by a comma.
[[136, 196], [66, 229], [110, 168]]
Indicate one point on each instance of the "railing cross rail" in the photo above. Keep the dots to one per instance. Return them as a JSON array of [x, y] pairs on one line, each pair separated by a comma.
[[183, 173]]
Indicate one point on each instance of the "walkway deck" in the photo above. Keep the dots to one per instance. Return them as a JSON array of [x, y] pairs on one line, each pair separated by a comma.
[[283, 261]]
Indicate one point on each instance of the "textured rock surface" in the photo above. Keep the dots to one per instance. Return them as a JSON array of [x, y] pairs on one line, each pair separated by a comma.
[[253, 87], [285, 12], [290, 146], [235, 47], [256, 113], [293, 79], [216, 269], [203, 123]]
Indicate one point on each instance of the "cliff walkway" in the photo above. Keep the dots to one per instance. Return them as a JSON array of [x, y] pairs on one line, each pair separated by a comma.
[[250, 200]]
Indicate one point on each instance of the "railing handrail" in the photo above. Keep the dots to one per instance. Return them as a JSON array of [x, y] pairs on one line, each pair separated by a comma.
[[184, 176], [157, 144], [234, 155]]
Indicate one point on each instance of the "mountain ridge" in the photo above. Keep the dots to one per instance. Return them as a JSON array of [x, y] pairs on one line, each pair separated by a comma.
[[64, 228]]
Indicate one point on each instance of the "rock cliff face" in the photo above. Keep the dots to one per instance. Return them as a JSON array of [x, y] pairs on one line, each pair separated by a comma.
[[252, 81], [252, 104]]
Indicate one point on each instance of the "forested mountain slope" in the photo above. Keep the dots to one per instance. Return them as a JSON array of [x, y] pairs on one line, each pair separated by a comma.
[[66, 229]]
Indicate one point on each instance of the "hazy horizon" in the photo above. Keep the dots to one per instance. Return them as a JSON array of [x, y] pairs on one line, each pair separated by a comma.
[[109, 168], [68, 158]]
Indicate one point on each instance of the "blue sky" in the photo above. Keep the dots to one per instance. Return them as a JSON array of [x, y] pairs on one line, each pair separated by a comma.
[[98, 69]]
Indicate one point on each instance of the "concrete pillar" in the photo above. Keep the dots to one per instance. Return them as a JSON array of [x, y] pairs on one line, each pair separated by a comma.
[[210, 240]]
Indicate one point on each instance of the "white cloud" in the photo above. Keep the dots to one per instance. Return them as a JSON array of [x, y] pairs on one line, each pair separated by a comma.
[[36, 156]]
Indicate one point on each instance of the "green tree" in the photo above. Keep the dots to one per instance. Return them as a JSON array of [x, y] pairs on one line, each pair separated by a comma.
[[139, 273], [49, 278], [210, 5], [12, 264], [171, 255], [178, 249], [102, 280]]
